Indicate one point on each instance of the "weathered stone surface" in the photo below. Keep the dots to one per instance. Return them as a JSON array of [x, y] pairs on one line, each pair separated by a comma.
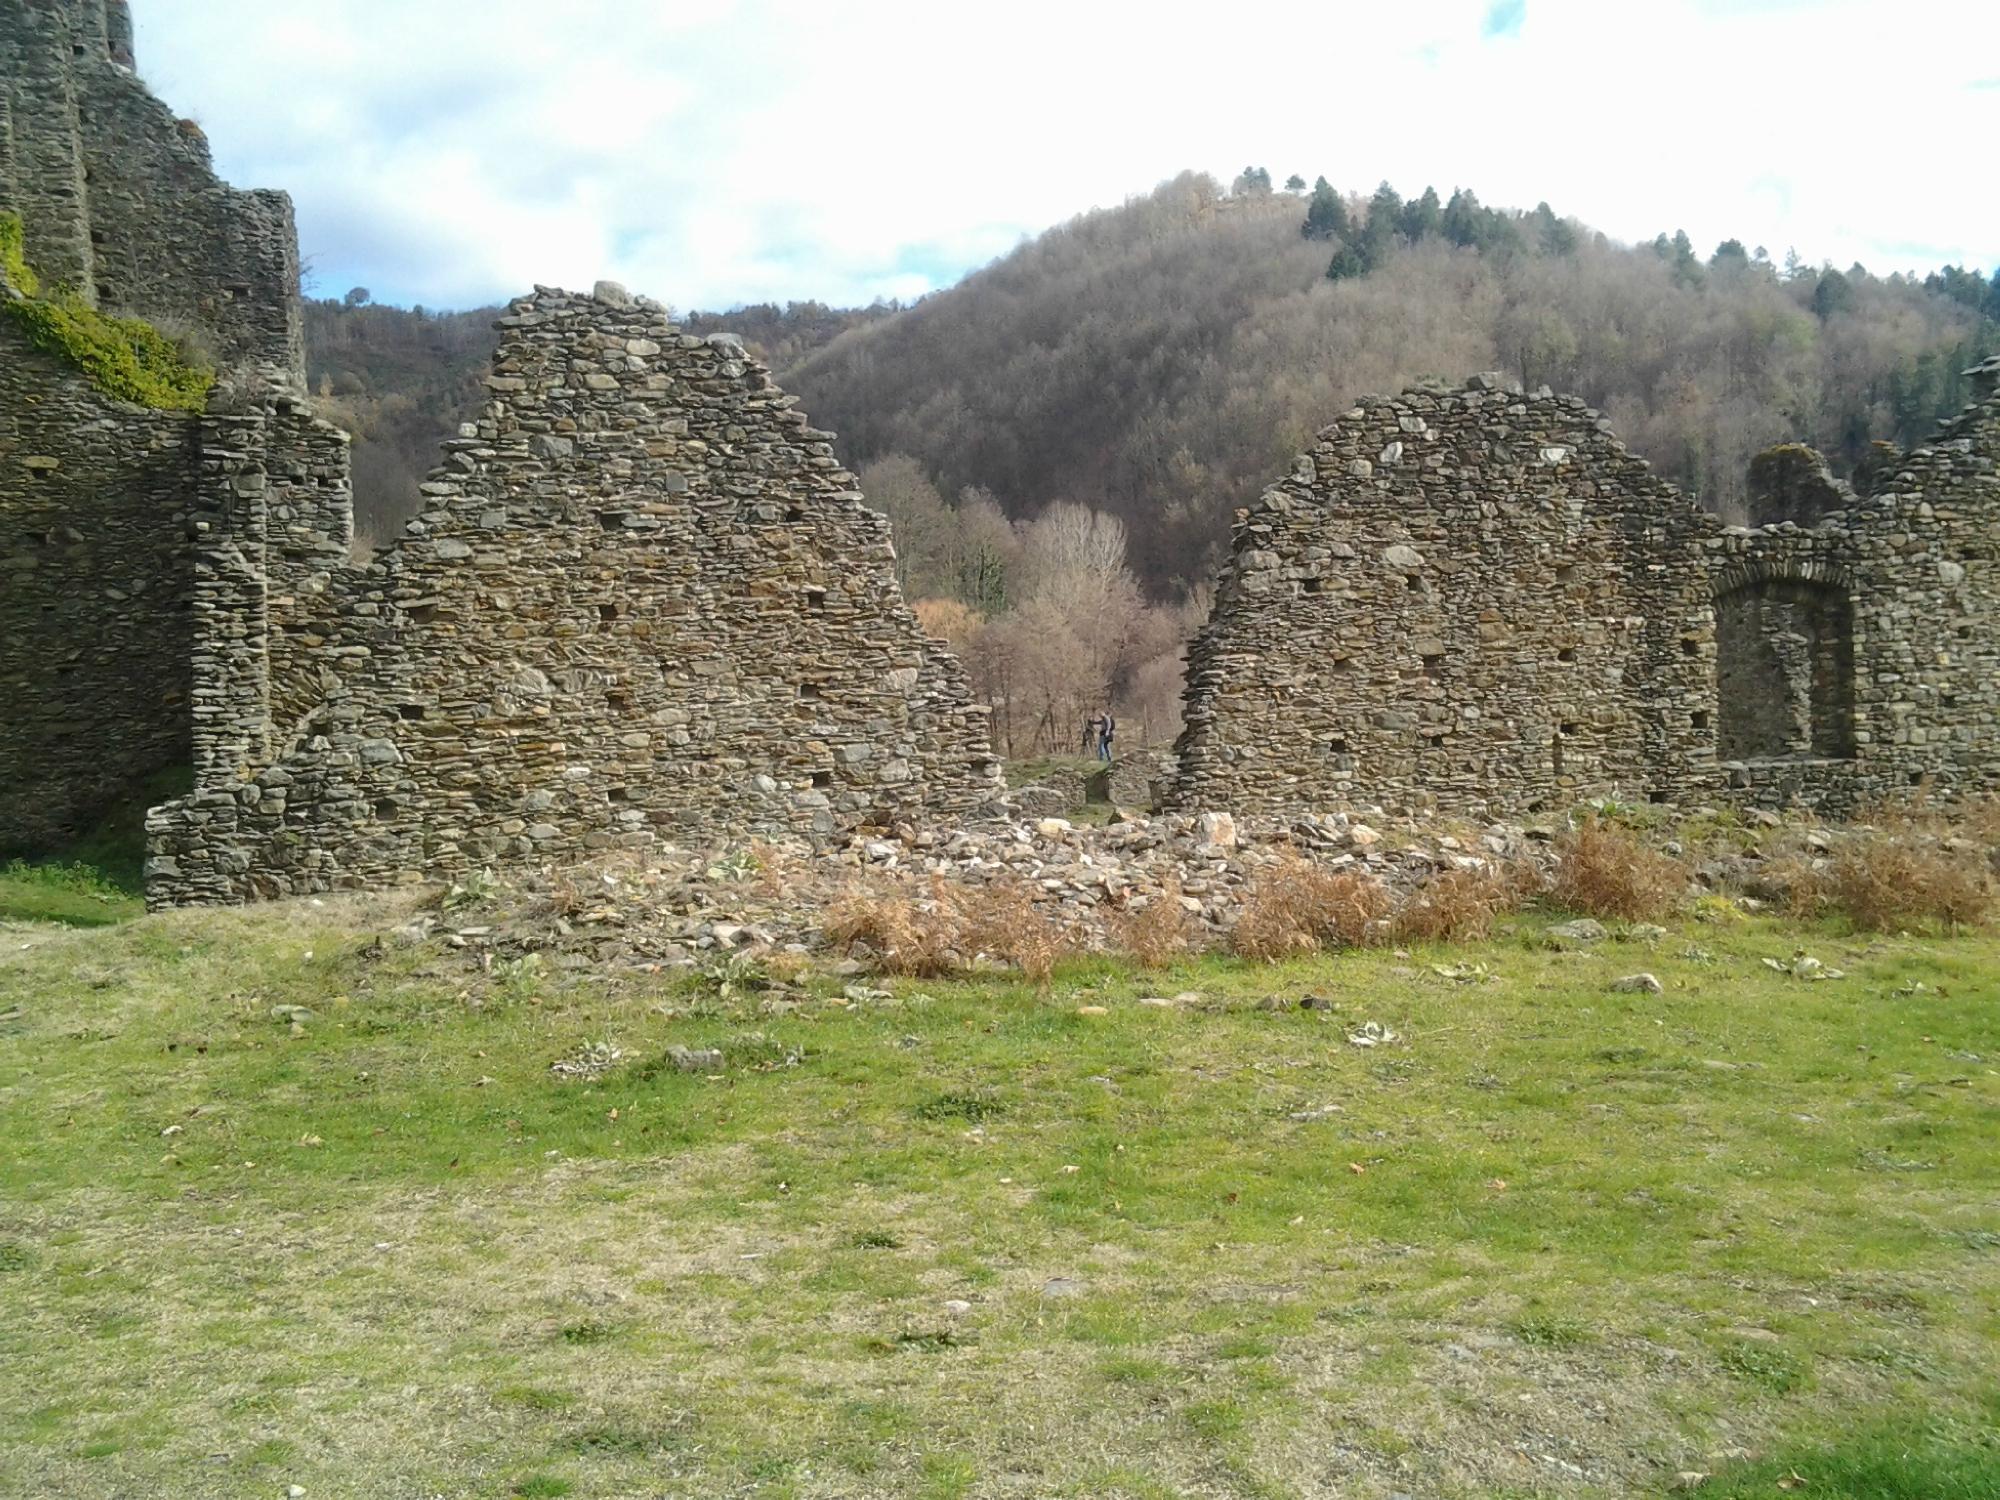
[[97, 498], [118, 198], [1517, 614], [527, 674]]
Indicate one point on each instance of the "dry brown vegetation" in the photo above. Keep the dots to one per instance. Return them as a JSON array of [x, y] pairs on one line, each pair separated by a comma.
[[1297, 907], [1003, 922], [1898, 879], [1603, 870], [1156, 934], [1462, 905], [942, 930], [903, 933]]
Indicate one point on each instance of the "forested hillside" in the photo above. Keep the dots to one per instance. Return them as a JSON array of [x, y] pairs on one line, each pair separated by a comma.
[[1061, 437], [400, 380], [1163, 360]]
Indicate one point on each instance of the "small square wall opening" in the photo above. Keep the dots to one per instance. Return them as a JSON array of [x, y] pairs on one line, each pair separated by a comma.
[[1690, 646], [795, 513], [809, 690], [822, 779], [1312, 585], [1337, 745], [816, 600], [607, 612], [1568, 653], [1570, 728], [1434, 664], [1415, 582], [1699, 718]]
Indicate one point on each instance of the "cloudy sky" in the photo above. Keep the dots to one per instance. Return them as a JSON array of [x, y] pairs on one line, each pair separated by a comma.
[[714, 152]]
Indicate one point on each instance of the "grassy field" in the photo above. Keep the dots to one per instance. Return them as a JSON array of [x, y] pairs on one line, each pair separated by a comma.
[[971, 1239]]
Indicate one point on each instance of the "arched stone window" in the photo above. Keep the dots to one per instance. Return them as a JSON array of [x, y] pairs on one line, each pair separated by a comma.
[[1784, 664]]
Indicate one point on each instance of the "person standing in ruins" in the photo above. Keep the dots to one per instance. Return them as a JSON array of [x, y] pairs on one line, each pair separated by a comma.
[[1107, 730], [1089, 734]]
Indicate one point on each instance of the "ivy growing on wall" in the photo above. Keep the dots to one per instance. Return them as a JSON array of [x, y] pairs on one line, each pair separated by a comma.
[[123, 357]]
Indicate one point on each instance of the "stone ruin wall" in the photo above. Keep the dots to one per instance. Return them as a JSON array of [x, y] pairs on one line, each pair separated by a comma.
[[96, 584], [97, 497], [1478, 600], [643, 602], [118, 198], [1462, 597], [1866, 642]]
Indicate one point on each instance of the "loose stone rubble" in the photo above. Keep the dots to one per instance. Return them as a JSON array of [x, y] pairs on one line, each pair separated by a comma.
[[679, 907]]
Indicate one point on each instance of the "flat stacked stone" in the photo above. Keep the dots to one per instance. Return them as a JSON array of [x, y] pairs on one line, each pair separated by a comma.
[[1478, 600], [643, 600]]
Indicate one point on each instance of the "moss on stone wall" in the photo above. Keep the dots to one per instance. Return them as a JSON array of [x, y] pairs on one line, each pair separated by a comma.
[[123, 357]]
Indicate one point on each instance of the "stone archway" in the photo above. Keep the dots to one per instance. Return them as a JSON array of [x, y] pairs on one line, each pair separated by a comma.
[[1784, 661]]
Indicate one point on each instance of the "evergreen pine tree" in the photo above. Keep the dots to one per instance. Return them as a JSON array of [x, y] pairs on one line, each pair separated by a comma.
[[1326, 214], [1422, 216]]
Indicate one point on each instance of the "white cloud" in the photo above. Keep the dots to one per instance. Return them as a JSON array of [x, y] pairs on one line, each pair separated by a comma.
[[718, 151]]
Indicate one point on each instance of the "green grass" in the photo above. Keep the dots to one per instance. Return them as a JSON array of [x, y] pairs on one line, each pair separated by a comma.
[[966, 1240], [75, 894], [1876, 1464], [98, 880]]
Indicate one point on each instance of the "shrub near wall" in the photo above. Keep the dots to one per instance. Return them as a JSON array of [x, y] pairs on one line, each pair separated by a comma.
[[126, 358]]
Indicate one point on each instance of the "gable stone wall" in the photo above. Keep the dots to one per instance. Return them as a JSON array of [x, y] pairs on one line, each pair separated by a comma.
[[1464, 598], [1478, 600], [643, 602]]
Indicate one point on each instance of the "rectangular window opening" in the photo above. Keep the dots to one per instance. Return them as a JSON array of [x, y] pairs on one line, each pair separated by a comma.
[[607, 612], [816, 600], [1690, 646], [822, 779], [1699, 718], [1568, 653]]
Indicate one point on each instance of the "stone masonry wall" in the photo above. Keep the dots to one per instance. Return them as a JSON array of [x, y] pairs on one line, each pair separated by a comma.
[[97, 497], [644, 601], [1469, 598], [1478, 600], [1918, 565], [96, 579], [118, 198]]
